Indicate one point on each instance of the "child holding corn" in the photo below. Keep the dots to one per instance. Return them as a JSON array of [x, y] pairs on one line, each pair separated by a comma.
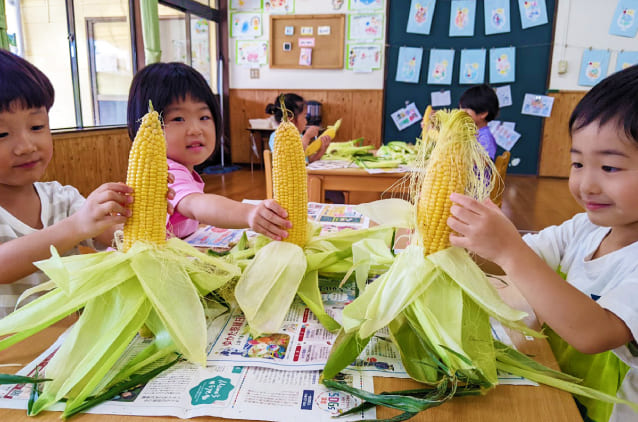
[[192, 125], [35, 215], [297, 106], [594, 314], [481, 103]]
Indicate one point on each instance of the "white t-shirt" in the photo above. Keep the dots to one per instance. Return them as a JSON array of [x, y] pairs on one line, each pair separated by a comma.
[[611, 280], [57, 203]]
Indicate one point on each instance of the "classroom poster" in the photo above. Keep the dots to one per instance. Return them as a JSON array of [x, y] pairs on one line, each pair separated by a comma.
[[441, 65], [462, 17], [251, 52], [626, 59], [441, 98], [504, 95], [279, 6], [420, 16], [593, 67], [360, 5], [409, 64], [533, 13], [504, 134], [497, 17], [365, 27], [472, 70], [245, 25], [405, 117], [624, 22], [364, 57], [502, 65], [245, 4], [537, 105]]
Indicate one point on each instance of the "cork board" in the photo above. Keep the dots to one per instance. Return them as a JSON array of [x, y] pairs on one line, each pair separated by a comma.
[[316, 40]]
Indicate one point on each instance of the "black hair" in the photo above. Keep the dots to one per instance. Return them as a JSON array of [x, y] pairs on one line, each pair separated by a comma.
[[480, 98], [22, 84], [614, 99], [163, 84], [292, 102]]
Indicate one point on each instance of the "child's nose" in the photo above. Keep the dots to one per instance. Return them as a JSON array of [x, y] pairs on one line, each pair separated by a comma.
[[25, 145], [194, 128], [589, 183]]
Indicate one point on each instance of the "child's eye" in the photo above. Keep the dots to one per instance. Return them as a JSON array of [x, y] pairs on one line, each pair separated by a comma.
[[610, 169], [177, 119], [37, 127], [205, 118], [4, 134], [576, 165]]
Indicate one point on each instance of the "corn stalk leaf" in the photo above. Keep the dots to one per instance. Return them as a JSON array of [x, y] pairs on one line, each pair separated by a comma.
[[309, 292]]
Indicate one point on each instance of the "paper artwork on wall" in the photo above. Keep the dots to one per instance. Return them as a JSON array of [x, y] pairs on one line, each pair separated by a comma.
[[409, 64], [504, 134], [245, 4], [440, 67], [626, 59], [305, 56], [405, 117], [245, 25], [593, 67], [279, 6], [462, 17], [251, 52], [537, 105], [365, 27], [533, 13], [365, 5], [441, 98], [472, 69], [504, 95], [497, 17], [625, 20], [502, 65], [420, 16], [364, 57]]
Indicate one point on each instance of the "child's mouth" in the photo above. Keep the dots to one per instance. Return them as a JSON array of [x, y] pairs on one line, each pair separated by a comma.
[[28, 165], [594, 206], [195, 147]]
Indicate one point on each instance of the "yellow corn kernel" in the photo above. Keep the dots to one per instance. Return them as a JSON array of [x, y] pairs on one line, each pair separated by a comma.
[[147, 175]]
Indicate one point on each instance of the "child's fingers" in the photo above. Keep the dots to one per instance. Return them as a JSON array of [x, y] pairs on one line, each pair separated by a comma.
[[114, 208], [271, 230], [275, 208], [119, 187]]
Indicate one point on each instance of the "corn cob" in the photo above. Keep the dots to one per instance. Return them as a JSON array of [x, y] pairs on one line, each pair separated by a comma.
[[331, 131], [147, 175], [290, 184]]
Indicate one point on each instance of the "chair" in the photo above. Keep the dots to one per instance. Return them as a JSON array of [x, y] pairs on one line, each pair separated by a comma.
[[501, 162], [268, 171]]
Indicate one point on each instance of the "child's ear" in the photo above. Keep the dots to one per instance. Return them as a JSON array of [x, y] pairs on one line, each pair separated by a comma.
[[483, 115]]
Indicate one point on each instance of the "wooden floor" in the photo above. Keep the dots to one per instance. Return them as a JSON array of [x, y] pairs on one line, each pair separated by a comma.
[[532, 203]]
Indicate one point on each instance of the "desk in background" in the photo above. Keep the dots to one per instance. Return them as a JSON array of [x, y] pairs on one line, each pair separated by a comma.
[[257, 143]]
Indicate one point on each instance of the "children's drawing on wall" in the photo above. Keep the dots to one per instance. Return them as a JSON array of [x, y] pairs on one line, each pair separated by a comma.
[[420, 16], [624, 22], [366, 5], [441, 98], [251, 52], [245, 25], [537, 105], [593, 67], [305, 56], [407, 116], [441, 65], [245, 4], [365, 27], [364, 57], [626, 59], [337, 4], [504, 133], [472, 70], [533, 13], [502, 65], [462, 16], [497, 17], [409, 64], [504, 95], [279, 6]]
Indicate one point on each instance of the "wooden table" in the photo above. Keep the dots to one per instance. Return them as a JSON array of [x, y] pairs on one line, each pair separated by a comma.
[[506, 403], [349, 180]]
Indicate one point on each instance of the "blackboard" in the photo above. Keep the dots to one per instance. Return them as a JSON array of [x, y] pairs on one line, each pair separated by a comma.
[[533, 50]]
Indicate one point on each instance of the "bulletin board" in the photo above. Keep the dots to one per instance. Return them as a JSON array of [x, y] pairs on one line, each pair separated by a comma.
[[533, 52], [327, 52]]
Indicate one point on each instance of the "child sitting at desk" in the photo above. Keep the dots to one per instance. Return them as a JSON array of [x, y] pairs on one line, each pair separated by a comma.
[[581, 278], [36, 215], [192, 125], [481, 103]]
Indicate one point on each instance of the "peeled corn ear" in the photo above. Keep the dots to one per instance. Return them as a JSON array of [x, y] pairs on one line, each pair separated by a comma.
[[147, 175], [331, 131]]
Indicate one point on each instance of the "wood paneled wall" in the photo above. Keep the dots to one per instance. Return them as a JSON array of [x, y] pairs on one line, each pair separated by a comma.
[[554, 157], [87, 158], [361, 111]]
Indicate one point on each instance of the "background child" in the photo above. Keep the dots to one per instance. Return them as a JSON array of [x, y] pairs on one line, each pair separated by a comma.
[[192, 125], [481, 103], [296, 105], [594, 314], [36, 215]]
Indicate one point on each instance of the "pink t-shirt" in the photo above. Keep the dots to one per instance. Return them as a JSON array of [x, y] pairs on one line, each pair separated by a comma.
[[186, 182]]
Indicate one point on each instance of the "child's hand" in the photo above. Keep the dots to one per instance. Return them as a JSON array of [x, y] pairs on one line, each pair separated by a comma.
[[482, 228], [311, 131], [105, 207], [270, 219]]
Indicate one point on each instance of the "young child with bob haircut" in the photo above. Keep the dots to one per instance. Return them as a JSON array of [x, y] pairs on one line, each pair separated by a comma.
[[481, 103], [192, 125], [581, 277], [35, 215]]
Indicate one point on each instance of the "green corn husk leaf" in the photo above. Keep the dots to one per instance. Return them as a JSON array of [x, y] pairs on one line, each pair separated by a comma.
[[392, 212], [370, 255], [21, 379], [347, 347], [267, 287], [417, 354], [309, 292]]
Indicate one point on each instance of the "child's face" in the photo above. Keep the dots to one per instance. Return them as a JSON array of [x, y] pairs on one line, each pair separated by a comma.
[[26, 145], [300, 120], [190, 132], [604, 175]]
